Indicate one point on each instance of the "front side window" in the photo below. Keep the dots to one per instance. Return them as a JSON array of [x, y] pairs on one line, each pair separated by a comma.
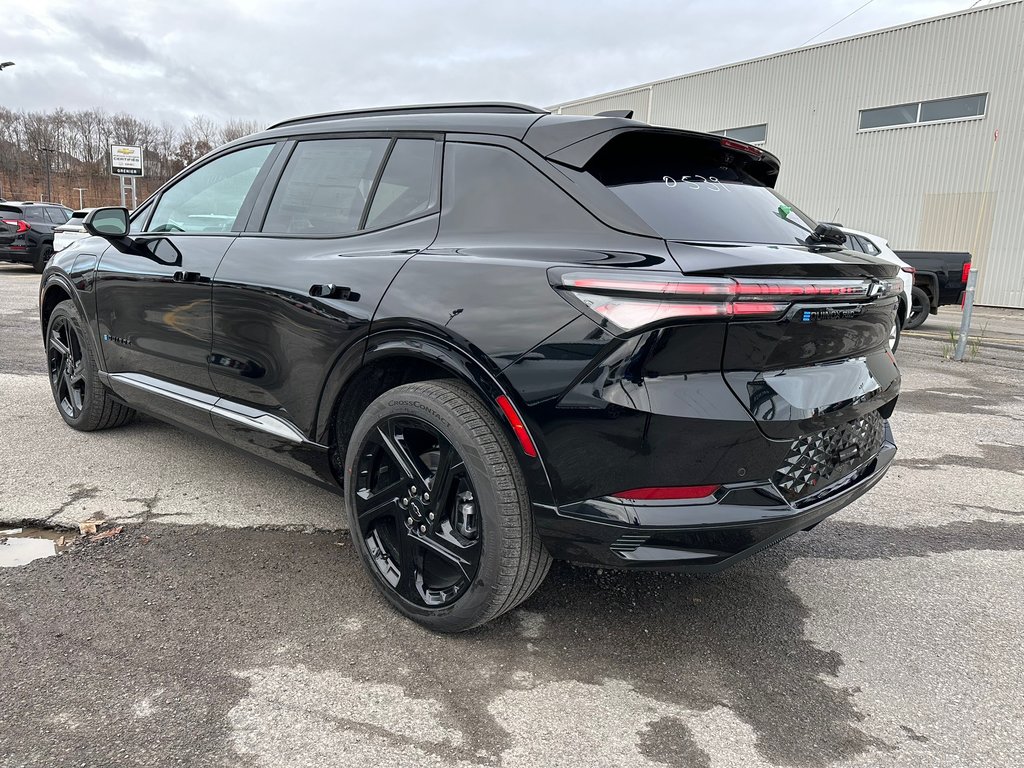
[[57, 215], [325, 187], [209, 199]]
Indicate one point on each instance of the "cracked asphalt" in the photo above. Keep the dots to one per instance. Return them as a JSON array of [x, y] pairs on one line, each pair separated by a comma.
[[230, 625]]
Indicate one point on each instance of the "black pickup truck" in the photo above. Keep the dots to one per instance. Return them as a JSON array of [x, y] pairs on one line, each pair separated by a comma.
[[940, 279]]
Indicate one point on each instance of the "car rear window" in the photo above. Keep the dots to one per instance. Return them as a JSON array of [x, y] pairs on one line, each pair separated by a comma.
[[692, 188]]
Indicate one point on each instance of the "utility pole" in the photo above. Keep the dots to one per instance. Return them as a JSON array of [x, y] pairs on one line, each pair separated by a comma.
[[49, 190], [80, 190]]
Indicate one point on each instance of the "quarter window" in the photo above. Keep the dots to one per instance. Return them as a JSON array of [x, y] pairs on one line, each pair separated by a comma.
[[406, 187], [937, 110], [209, 199], [325, 187]]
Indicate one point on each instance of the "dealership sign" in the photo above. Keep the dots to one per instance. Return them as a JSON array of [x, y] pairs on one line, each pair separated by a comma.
[[125, 161]]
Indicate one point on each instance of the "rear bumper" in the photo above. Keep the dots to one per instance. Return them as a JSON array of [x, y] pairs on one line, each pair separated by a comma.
[[744, 519], [19, 255]]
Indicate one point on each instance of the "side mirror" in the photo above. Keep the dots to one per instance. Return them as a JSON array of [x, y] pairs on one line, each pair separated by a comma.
[[111, 223]]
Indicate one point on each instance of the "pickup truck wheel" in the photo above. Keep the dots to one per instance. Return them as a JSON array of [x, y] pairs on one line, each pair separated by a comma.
[[920, 306], [82, 400], [45, 252], [438, 507]]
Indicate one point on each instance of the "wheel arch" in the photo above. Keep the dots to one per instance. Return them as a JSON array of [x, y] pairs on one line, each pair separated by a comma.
[[394, 357], [55, 290]]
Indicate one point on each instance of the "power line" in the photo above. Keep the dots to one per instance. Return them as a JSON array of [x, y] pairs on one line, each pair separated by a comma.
[[836, 24]]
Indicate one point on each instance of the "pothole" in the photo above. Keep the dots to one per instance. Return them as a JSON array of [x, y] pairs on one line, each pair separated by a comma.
[[20, 546]]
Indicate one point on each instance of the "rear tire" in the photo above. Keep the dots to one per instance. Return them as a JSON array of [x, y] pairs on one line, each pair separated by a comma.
[[438, 507], [45, 252], [82, 400], [920, 306]]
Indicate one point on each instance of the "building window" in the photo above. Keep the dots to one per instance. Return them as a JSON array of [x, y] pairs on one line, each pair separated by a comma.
[[937, 110], [751, 134]]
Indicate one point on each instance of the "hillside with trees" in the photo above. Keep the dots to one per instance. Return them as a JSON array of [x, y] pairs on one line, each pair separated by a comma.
[[81, 141]]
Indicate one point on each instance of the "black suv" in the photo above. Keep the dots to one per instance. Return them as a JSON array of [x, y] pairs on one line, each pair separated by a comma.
[[508, 335], [26, 231]]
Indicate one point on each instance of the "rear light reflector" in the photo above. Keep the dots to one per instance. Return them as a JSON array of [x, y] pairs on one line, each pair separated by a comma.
[[665, 493], [965, 273], [518, 427], [23, 226]]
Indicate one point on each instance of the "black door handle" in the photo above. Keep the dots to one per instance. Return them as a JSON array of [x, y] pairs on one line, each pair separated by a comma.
[[186, 277], [332, 291]]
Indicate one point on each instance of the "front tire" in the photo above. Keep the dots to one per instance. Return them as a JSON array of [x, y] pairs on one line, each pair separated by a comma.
[[82, 400], [438, 507]]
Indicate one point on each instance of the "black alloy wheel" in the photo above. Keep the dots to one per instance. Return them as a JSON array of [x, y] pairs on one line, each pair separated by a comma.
[[438, 507], [81, 398], [67, 368], [417, 512]]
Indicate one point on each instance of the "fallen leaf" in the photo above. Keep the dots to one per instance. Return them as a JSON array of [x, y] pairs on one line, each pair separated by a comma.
[[108, 534], [88, 527]]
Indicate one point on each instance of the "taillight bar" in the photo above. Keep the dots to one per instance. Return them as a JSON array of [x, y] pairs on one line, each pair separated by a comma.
[[965, 273], [22, 225], [631, 301]]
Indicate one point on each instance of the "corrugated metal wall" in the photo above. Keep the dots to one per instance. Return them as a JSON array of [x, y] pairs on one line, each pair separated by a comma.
[[922, 186]]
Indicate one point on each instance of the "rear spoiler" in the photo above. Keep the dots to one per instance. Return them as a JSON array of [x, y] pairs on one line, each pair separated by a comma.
[[573, 140]]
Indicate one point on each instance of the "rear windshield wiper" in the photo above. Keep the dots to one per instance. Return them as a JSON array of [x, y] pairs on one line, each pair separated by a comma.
[[826, 235]]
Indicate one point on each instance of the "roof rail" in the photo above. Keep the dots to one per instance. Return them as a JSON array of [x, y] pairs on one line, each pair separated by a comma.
[[498, 107]]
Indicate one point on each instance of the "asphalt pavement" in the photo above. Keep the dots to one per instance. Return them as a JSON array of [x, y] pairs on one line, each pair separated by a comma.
[[228, 623]]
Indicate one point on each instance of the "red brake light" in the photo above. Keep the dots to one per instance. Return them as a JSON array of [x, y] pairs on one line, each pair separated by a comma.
[[739, 145], [518, 428], [665, 493], [966, 273], [22, 225]]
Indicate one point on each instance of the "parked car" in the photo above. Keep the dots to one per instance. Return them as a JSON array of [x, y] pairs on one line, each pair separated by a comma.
[[72, 231], [940, 279], [504, 335], [878, 246], [26, 232]]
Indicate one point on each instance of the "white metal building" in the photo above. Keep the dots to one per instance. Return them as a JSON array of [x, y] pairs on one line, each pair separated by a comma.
[[891, 132]]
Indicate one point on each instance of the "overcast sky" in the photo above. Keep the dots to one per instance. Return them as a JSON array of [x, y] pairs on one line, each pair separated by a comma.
[[267, 60]]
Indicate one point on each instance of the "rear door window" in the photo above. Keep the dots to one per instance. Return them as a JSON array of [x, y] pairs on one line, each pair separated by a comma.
[[325, 187], [57, 215], [693, 188], [406, 188], [35, 213]]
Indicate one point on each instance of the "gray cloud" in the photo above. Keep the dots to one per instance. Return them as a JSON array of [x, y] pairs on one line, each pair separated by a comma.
[[269, 60]]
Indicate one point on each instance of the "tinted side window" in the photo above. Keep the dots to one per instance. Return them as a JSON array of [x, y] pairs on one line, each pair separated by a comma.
[[57, 215], [490, 189], [868, 246], [209, 199], [325, 186], [407, 184], [852, 244], [34, 213]]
